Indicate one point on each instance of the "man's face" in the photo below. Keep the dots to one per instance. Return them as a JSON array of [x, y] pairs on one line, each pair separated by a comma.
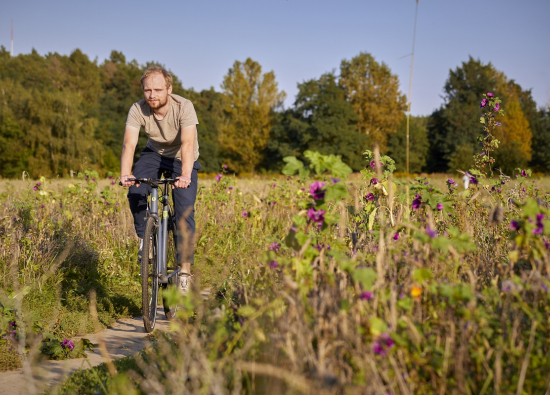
[[155, 91]]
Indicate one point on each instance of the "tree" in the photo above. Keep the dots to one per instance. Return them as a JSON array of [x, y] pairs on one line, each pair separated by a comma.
[[454, 128], [374, 93], [541, 141], [321, 120], [418, 141], [251, 100]]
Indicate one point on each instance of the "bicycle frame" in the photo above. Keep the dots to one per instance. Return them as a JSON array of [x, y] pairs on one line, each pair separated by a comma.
[[162, 240]]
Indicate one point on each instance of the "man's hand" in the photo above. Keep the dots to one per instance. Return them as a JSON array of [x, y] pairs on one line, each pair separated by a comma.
[[182, 182], [124, 181]]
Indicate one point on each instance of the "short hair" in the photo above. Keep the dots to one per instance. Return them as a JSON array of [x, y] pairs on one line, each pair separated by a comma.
[[157, 69]]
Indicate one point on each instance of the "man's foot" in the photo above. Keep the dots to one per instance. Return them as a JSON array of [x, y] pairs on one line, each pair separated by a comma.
[[184, 283], [140, 250]]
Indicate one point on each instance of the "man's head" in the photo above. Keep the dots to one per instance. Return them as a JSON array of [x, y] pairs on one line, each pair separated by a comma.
[[157, 85]]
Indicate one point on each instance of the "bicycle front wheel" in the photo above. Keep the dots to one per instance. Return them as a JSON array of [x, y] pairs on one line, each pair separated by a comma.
[[149, 274]]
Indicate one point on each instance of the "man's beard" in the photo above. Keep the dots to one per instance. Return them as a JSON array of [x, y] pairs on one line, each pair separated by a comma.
[[157, 104]]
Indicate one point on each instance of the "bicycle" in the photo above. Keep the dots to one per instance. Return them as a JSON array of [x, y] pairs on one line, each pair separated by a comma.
[[159, 253]]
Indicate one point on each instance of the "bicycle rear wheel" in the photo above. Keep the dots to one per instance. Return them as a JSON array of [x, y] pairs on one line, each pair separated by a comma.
[[149, 275]]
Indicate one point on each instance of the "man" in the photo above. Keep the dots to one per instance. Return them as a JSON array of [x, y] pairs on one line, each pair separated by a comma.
[[170, 124]]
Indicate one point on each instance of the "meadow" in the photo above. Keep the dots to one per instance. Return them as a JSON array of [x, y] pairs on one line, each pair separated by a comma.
[[324, 282]]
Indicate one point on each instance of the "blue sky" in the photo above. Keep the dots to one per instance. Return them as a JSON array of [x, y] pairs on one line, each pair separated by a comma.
[[297, 39]]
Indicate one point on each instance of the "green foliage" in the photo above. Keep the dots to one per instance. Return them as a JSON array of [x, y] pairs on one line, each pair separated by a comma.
[[321, 164], [56, 349], [418, 141]]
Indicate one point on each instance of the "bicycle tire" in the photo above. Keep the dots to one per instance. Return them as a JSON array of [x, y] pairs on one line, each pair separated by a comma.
[[149, 275], [170, 311]]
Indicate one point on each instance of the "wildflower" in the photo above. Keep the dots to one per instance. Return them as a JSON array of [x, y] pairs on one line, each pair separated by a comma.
[[113, 182], [374, 181], [382, 344], [474, 180], [396, 236], [439, 206], [373, 164], [417, 202], [317, 216], [545, 287], [430, 232], [497, 107], [416, 292], [514, 225], [93, 179], [244, 214], [316, 190], [523, 173], [334, 180], [450, 181], [540, 226], [483, 103], [35, 188], [38, 183], [275, 246], [68, 343], [369, 197], [274, 185], [489, 94], [498, 124], [273, 264], [219, 177], [225, 167], [366, 296]]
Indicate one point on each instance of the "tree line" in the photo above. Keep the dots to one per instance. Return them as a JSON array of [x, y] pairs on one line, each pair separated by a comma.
[[60, 113]]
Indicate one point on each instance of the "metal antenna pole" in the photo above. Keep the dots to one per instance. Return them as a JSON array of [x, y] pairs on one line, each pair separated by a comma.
[[11, 52], [409, 98]]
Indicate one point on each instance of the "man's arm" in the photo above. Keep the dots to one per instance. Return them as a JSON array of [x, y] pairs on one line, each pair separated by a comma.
[[131, 135], [188, 134]]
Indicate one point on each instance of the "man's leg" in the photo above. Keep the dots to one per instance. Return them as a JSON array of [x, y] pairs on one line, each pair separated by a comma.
[[147, 166], [184, 208]]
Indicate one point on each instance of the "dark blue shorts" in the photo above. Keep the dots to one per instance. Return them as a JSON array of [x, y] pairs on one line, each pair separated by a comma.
[[151, 165]]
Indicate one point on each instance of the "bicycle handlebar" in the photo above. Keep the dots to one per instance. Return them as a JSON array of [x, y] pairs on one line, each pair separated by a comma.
[[151, 181]]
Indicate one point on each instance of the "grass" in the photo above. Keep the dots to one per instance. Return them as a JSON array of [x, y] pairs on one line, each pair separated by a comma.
[[458, 303]]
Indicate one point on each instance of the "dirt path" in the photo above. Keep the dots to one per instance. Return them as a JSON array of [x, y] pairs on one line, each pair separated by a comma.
[[125, 337]]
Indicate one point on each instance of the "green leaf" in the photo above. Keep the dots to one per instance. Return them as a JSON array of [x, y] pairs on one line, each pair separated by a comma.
[[292, 166], [421, 275], [335, 192], [372, 217], [246, 311], [366, 276], [482, 120], [377, 326]]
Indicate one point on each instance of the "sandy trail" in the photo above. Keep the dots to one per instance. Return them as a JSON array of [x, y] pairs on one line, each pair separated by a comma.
[[125, 337]]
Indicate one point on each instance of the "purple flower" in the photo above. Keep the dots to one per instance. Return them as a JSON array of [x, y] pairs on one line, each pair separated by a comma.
[[316, 190], [450, 181], [93, 179], [416, 203], [545, 287], [317, 216], [514, 225], [378, 349], [474, 180], [68, 343], [373, 164], [113, 182], [497, 124], [483, 103], [366, 296], [489, 94], [497, 107], [374, 181], [244, 214], [38, 183], [382, 344], [430, 232], [334, 180], [523, 173], [396, 236], [225, 167], [273, 264], [369, 197], [35, 188], [274, 186], [439, 206], [219, 177], [275, 246]]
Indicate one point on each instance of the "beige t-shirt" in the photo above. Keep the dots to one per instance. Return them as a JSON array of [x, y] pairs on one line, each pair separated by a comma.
[[165, 134]]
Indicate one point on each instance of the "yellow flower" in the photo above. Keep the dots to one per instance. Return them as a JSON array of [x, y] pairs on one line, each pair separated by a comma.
[[416, 292]]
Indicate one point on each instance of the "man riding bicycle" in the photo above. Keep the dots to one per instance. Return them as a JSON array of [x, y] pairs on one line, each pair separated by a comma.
[[170, 123]]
